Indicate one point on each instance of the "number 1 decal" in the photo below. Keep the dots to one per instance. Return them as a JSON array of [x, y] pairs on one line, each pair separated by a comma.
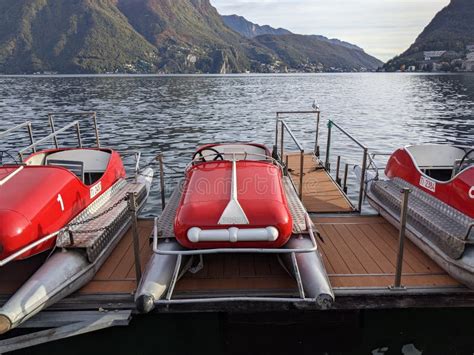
[[61, 202]]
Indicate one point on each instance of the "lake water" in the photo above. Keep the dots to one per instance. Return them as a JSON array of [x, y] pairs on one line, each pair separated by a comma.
[[174, 114]]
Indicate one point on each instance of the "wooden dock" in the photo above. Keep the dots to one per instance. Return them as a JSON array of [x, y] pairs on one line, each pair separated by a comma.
[[359, 253], [320, 193]]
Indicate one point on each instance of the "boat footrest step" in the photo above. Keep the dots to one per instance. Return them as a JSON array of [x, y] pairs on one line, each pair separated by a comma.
[[447, 227], [112, 212]]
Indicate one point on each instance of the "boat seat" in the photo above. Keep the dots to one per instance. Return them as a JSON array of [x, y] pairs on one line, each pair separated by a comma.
[[444, 225], [76, 167]]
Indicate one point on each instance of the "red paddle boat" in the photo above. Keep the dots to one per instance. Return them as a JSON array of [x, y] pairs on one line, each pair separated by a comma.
[[233, 197], [45, 193], [73, 199], [440, 205]]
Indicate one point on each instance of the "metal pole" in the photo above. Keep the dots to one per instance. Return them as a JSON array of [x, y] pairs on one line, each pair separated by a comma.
[[401, 238], [30, 133], [346, 173], [78, 130], [53, 130], [301, 174], [338, 168], [282, 140], [286, 165], [316, 144], [132, 203], [276, 129], [362, 179], [328, 147], [97, 138], [162, 180]]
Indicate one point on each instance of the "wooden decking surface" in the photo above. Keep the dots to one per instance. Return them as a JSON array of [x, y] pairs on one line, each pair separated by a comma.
[[238, 273], [320, 193], [362, 252], [359, 252]]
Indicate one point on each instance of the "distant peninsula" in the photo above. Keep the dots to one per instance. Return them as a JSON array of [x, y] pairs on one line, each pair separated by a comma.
[[446, 44]]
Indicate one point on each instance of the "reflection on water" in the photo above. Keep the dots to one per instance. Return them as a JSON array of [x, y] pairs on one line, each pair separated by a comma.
[[174, 114]]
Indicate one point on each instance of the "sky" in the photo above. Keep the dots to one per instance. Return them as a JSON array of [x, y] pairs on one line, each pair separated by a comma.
[[384, 28]]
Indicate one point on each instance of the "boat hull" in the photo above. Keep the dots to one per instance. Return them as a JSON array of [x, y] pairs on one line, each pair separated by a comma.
[[313, 274], [158, 276]]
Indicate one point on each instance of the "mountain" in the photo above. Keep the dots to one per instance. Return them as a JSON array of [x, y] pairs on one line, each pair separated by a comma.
[[152, 36], [68, 36], [338, 42], [191, 37], [452, 29], [249, 29], [308, 53]]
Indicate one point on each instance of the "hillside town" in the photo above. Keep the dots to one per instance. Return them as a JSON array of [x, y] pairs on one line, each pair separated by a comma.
[[444, 61]]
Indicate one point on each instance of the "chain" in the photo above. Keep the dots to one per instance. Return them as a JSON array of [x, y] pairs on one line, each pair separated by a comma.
[[4, 152], [103, 213]]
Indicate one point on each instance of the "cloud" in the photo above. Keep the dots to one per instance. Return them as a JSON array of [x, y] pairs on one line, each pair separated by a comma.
[[384, 28]]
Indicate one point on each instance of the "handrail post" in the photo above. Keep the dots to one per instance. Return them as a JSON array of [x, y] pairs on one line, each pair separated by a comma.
[[346, 173], [316, 144], [362, 179], [53, 130], [97, 138], [132, 204], [328, 147], [286, 165], [282, 143], [78, 131], [401, 239], [338, 170], [159, 157], [300, 189], [30, 133], [276, 128]]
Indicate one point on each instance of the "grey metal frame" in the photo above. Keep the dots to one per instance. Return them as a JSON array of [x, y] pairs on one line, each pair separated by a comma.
[[284, 127], [26, 124], [318, 120], [54, 136], [92, 114], [181, 253], [365, 158]]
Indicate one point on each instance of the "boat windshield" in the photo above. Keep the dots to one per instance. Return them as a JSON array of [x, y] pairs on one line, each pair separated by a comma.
[[440, 162]]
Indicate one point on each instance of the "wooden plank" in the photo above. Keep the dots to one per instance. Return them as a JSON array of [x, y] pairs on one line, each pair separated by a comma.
[[320, 193], [336, 260], [408, 256], [415, 251], [366, 260], [236, 284], [379, 258], [354, 265]]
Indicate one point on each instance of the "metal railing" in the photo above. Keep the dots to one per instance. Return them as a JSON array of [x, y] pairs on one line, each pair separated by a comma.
[[54, 136], [365, 158], [26, 125], [92, 114], [316, 112], [284, 127]]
